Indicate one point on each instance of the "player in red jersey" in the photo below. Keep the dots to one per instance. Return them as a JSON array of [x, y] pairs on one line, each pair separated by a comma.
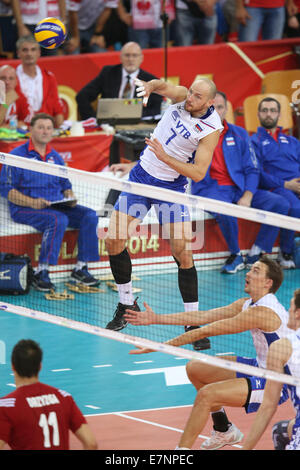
[[37, 416]]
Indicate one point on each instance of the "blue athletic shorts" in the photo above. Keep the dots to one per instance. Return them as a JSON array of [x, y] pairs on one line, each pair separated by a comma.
[[256, 387], [138, 206]]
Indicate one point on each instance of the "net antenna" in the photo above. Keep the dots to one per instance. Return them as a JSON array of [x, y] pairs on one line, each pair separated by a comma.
[[164, 17]]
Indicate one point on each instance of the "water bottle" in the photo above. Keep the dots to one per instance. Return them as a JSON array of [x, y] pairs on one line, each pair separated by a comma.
[[13, 122]]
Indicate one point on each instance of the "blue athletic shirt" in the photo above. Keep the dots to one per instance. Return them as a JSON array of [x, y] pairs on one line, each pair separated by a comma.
[[240, 161], [31, 183], [279, 159]]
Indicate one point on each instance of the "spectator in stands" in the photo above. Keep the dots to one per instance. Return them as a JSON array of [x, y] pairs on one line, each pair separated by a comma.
[[228, 8], [233, 177], [115, 80], [279, 157], [196, 22], [265, 16], [16, 105], [27, 413], [87, 21], [8, 30], [30, 194], [36, 83], [28, 13], [292, 27], [144, 21]]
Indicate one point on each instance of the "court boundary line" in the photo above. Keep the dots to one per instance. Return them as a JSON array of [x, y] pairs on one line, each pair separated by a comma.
[[144, 410], [158, 425]]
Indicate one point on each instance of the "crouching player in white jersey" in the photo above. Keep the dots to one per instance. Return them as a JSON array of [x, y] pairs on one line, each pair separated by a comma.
[[216, 387], [283, 357], [181, 146]]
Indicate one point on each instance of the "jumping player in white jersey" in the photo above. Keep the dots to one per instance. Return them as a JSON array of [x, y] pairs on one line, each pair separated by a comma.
[[283, 357], [266, 319], [182, 146]]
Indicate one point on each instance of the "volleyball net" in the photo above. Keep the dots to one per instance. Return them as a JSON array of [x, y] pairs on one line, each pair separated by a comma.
[[154, 270]]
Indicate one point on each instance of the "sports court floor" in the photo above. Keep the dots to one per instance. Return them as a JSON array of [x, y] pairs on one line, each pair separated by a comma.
[[131, 401]]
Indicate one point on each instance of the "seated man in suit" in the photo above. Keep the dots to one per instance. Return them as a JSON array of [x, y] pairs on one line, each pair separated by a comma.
[[117, 81]]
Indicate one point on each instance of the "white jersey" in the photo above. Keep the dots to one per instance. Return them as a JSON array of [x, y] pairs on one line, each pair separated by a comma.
[[292, 367], [263, 339], [180, 134]]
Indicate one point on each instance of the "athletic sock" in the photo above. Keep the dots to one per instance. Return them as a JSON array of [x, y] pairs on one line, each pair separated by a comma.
[[188, 286], [42, 267], [125, 293], [255, 250], [220, 420], [80, 265], [121, 269], [191, 307]]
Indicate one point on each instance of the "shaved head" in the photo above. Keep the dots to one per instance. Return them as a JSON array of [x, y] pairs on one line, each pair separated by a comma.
[[206, 85], [7, 68], [131, 56], [200, 96], [8, 76]]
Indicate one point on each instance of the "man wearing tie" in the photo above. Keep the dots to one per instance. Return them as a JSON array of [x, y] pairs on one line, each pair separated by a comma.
[[117, 81]]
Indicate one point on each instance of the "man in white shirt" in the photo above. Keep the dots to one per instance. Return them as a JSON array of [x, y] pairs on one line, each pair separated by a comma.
[[36, 83]]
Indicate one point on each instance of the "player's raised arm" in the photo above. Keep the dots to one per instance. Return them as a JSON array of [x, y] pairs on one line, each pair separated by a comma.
[[176, 93]]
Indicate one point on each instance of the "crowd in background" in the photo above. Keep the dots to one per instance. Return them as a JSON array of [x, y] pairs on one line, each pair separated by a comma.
[[105, 25]]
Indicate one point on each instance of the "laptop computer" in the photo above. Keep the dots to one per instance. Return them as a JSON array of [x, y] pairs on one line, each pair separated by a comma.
[[116, 111]]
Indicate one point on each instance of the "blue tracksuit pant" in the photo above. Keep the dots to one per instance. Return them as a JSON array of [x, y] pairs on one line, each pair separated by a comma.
[[53, 223], [264, 200], [287, 236]]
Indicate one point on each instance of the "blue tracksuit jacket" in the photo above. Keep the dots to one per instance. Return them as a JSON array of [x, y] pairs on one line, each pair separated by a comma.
[[279, 161], [240, 160], [52, 222], [31, 183]]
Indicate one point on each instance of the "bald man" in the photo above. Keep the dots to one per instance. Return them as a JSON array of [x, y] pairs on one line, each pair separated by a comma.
[[112, 81], [16, 105], [181, 147]]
